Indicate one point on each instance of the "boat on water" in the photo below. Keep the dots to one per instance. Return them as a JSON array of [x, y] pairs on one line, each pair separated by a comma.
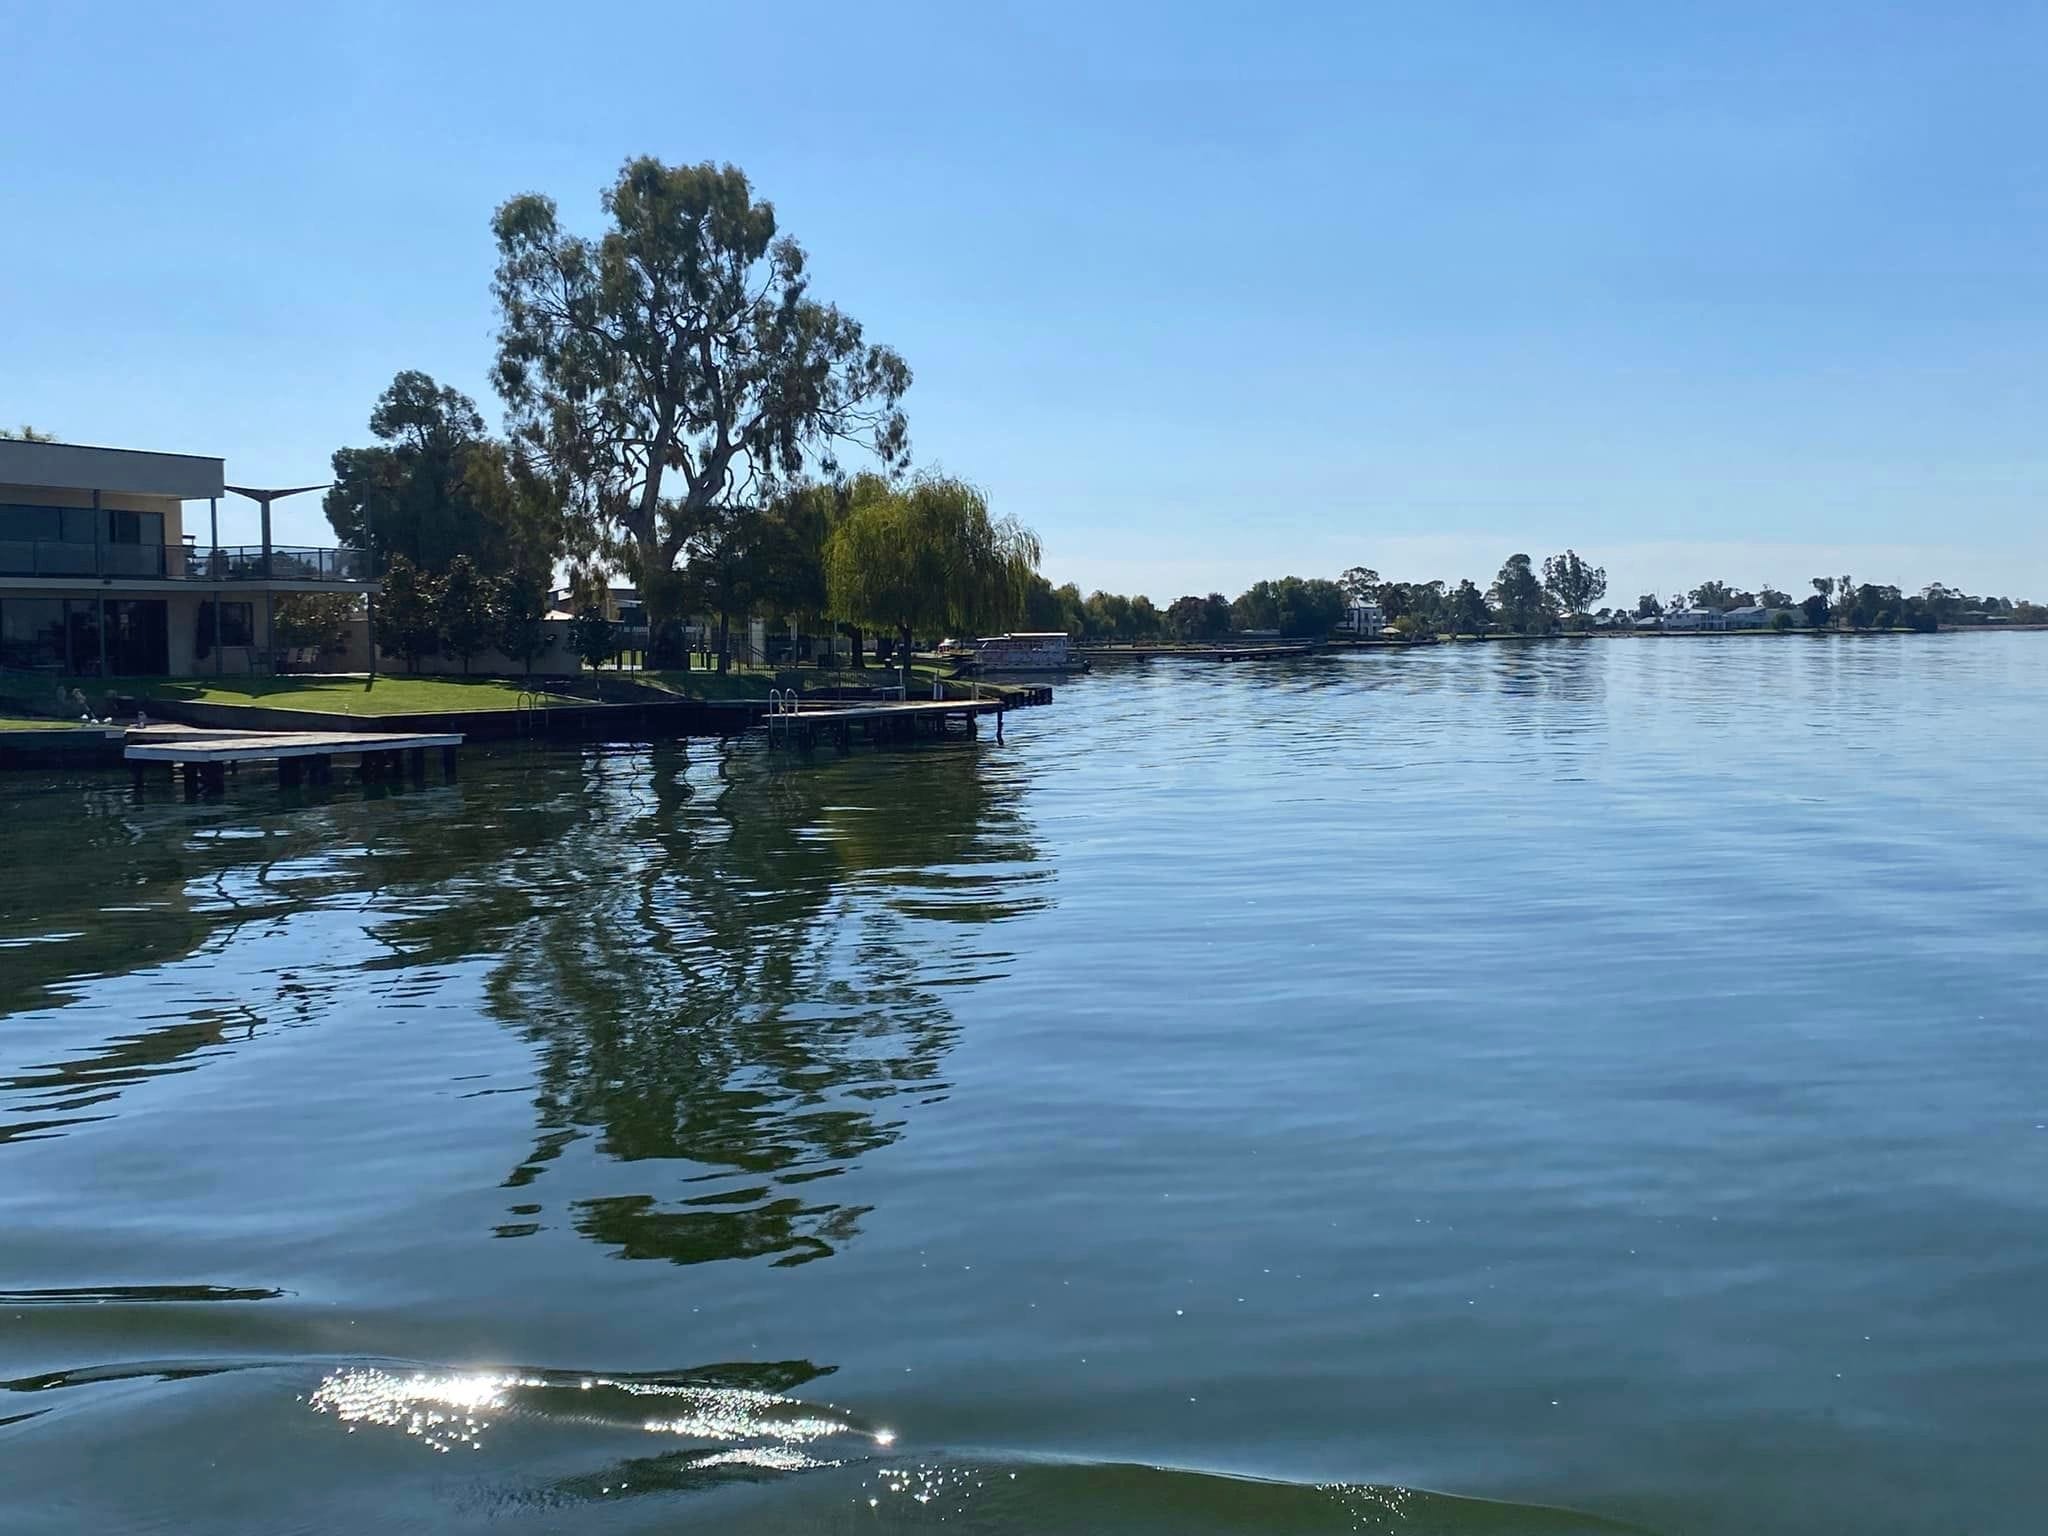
[[1042, 653]]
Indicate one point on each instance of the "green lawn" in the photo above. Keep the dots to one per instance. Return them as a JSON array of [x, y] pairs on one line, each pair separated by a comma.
[[710, 685], [403, 695], [398, 695], [10, 723]]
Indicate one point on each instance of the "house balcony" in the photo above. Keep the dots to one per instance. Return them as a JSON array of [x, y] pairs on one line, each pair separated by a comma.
[[50, 558]]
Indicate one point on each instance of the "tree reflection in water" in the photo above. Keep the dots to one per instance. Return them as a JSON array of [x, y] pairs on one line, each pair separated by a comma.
[[733, 969], [742, 977]]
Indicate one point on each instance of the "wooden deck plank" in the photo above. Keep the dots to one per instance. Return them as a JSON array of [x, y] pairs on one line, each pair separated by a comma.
[[246, 747], [893, 709]]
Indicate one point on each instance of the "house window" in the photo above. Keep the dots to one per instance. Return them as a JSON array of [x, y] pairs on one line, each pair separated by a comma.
[[135, 527], [138, 637], [237, 627], [20, 522], [30, 525], [237, 623], [82, 631], [32, 633]]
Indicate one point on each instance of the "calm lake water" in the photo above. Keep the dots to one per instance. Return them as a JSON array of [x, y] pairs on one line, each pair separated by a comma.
[[1490, 1090]]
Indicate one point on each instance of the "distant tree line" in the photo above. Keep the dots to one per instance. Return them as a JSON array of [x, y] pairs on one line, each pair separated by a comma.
[[1841, 602], [1522, 599]]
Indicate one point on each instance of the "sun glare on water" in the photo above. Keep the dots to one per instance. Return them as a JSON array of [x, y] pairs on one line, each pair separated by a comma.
[[452, 1410]]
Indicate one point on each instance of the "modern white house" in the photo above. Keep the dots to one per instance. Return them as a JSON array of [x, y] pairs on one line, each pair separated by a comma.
[[1694, 618], [101, 574]]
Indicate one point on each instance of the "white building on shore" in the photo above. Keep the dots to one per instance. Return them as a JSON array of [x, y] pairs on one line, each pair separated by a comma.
[[1694, 617], [1365, 619]]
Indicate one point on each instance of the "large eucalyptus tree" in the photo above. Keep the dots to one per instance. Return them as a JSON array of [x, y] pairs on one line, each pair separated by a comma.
[[670, 372]]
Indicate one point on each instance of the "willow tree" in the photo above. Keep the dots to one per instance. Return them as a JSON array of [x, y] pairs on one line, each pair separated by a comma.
[[927, 557], [669, 373]]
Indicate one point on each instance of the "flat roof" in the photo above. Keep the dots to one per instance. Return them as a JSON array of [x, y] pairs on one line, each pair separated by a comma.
[[134, 472]]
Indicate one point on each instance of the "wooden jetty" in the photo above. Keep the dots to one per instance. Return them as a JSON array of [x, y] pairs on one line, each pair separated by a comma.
[[1262, 653], [205, 758], [800, 722]]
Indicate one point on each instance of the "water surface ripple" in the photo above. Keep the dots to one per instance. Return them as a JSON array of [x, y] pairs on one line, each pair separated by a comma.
[[1598, 1084]]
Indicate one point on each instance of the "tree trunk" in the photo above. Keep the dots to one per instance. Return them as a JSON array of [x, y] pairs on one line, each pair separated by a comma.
[[903, 640], [856, 634], [659, 600], [724, 642]]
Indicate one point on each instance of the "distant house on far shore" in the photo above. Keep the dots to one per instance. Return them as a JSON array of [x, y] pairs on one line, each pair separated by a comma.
[[1362, 619], [1748, 616], [1695, 618]]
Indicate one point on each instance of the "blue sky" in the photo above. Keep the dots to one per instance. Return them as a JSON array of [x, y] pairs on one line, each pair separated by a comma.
[[1203, 292]]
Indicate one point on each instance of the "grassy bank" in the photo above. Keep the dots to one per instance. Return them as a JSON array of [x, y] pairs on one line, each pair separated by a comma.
[[10, 723], [400, 694], [383, 695]]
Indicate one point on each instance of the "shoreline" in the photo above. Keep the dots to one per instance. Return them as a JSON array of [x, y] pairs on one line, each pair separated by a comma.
[[652, 711], [657, 710], [1150, 650]]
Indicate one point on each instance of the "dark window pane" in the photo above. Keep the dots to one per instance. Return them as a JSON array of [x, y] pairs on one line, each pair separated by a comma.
[[32, 633], [78, 526], [238, 623], [138, 637], [26, 524], [81, 621]]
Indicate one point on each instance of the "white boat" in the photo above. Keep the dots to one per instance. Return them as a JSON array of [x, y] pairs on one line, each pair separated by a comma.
[[1041, 651]]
